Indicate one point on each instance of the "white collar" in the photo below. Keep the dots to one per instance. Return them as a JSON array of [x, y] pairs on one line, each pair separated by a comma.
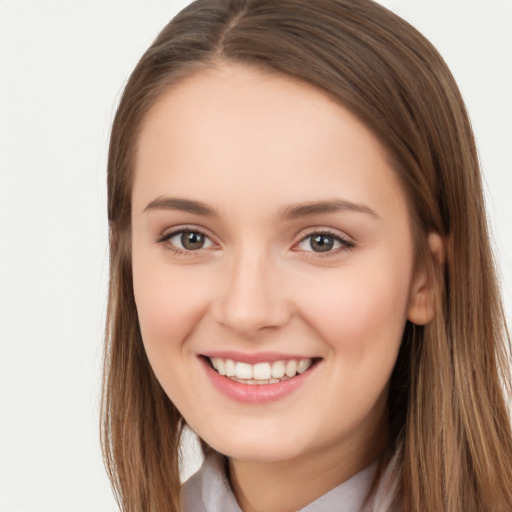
[[209, 490]]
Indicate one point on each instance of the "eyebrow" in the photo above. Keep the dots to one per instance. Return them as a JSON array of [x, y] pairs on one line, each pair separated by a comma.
[[289, 213], [185, 205], [330, 206]]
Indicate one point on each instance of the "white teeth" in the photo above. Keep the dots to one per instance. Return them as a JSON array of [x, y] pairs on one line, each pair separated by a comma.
[[260, 373], [254, 382], [243, 370], [291, 368], [303, 365], [278, 369], [221, 366], [230, 368]]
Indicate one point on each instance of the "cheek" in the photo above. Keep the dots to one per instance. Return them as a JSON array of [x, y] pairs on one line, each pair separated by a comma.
[[360, 311], [169, 305], [361, 322]]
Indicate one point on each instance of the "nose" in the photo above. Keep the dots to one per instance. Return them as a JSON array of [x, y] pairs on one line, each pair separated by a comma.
[[251, 297]]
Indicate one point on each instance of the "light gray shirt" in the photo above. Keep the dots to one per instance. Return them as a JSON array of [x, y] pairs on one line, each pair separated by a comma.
[[209, 490]]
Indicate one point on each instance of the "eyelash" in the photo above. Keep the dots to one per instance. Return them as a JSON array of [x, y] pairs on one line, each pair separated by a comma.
[[343, 242], [165, 240]]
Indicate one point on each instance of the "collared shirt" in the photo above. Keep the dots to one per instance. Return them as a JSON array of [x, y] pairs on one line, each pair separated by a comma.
[[209, 490]]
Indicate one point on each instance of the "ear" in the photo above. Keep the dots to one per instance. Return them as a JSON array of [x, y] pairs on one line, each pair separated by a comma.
[[421, 307]]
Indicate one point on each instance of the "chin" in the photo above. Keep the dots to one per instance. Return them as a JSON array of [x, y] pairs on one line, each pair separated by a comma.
[[259, 447]]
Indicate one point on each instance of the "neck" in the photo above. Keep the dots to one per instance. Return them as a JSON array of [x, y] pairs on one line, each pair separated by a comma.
[[290, 485]]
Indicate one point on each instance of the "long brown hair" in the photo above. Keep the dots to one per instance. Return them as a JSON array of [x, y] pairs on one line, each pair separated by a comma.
[[450, 443]]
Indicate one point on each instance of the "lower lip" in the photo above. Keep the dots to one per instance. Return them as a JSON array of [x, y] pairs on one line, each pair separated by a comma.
[[256, 393]]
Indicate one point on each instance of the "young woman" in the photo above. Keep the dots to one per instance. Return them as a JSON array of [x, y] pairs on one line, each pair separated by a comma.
[[301, 271]]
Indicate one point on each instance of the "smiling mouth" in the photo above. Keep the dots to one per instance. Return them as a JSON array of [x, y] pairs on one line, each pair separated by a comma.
[[260, 373]]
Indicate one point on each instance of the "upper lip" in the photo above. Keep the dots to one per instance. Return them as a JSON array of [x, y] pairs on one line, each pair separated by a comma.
[[256, 357]]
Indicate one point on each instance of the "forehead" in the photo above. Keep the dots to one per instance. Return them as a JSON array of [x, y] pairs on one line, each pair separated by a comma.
[[264, 136]]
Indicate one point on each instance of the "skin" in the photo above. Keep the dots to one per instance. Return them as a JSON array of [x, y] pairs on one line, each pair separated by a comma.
[[251, 146]]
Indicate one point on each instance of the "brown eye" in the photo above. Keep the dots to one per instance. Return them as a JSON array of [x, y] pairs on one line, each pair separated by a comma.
[[186, 241], [324, 243], [321, 242], [192, 240]]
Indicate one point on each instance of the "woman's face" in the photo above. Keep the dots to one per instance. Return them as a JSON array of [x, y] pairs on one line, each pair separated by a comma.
[[269, 229]]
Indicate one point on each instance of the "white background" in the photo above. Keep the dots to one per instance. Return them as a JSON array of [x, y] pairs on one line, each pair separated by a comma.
[[62, 67]]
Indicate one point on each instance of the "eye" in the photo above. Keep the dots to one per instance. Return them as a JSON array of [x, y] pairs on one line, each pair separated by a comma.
[[187, 240], [324, 242]]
